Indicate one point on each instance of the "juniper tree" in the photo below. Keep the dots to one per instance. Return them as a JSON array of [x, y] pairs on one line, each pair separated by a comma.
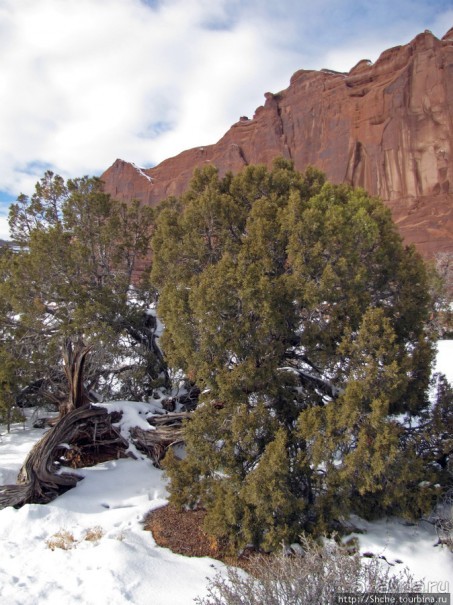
[[74, 274], [297, 309]]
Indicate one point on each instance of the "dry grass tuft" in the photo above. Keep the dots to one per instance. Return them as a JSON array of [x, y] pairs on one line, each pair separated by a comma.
[[62, 539], [93, 534], [65, 540]]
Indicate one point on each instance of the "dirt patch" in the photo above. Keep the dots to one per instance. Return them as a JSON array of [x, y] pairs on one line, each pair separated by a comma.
[[182, 532]]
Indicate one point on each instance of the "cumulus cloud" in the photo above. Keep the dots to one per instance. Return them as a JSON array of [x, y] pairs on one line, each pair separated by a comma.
[[87, 81], [98, 80]]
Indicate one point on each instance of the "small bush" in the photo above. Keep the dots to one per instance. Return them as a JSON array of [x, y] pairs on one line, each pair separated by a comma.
[[62, 539], [65, 540], [94, 534], [312, 578]]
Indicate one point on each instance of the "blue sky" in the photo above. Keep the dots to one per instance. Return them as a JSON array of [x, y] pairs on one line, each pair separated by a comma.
[[83, 82]]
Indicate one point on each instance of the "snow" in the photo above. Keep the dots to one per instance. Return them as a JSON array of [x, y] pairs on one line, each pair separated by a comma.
[[141, 173], [411, 546], [444, 359], [124, 565]]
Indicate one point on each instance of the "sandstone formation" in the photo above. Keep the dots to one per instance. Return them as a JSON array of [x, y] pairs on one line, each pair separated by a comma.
[[387, 127]]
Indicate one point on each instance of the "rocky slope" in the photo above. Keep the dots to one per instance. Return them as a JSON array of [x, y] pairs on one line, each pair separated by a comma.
[[387, 127]]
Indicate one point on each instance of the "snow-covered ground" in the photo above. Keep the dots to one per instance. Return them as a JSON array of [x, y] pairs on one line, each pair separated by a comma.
[[124, 565]]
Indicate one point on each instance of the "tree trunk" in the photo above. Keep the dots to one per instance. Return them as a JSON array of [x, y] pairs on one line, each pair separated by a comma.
[[74, 361]]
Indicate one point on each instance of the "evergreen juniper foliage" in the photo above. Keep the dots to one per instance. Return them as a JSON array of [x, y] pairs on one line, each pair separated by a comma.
[[73, 274], [295, 307]]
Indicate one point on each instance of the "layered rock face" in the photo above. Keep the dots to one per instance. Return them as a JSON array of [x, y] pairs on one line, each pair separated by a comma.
[[387, 127]]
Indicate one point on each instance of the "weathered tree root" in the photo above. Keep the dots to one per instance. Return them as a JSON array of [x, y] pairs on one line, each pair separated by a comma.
[[83, 437], [40, 480]]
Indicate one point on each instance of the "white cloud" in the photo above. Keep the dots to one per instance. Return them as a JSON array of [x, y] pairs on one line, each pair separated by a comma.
[[84, 85], [87, 81]]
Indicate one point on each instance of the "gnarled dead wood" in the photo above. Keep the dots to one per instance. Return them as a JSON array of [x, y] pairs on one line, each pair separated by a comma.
[[168, 432], [83, 433], [85, 436], [74, 357]]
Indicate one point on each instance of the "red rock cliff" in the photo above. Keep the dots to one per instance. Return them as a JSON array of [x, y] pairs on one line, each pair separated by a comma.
[[387, 127]]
